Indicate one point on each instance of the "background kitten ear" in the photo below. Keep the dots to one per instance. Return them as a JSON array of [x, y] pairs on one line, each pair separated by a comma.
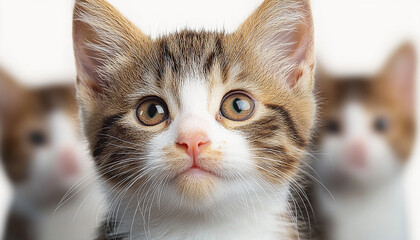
[[400, 73], [102, 40], [10, 95], [323, 79], [280, 34]]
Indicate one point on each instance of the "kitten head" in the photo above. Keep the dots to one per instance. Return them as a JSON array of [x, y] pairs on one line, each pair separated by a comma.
[[42, 151], [196, 118], [368, 122]]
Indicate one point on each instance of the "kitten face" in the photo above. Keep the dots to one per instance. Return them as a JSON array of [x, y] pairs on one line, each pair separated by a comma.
[[43, 153], [368, 123], [196, 118]]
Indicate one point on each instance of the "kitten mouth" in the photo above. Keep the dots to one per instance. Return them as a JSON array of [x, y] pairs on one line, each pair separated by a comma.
[[196, 171]]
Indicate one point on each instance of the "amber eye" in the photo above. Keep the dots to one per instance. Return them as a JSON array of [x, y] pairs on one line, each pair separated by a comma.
[[152, 111], [237, 106]]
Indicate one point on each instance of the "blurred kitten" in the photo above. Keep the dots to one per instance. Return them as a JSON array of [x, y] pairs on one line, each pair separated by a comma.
[[368, 130], [44, 156]]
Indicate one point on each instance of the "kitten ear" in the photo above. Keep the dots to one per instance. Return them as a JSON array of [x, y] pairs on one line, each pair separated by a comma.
[[400, 74], [280, 35], [10, 95], [102, 40]]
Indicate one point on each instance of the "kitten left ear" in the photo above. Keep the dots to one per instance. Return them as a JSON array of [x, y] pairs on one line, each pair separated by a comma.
[[280, 35], [400, 73], [103, 39]]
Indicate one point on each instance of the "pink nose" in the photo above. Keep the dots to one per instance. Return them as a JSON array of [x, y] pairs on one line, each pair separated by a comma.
[[193, 143], [357, 154], [68, 162]]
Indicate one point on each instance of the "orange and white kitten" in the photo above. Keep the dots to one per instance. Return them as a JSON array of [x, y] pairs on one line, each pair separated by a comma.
[[368, 129], [44, 156], [198, 135]]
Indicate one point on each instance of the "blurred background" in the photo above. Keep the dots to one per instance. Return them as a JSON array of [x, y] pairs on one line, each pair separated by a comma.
[[351, 37]]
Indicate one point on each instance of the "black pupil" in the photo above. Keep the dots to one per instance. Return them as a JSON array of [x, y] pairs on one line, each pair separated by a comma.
[[236, 105], [37, 138], [333, 126], [381, 125], [152, 110]]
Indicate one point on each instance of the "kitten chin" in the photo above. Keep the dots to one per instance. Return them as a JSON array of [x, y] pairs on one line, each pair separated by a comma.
[[198, 134], [195, 184]]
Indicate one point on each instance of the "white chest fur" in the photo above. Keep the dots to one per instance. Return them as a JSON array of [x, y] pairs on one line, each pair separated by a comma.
[[76, 220], [377, 215], [266, 221]]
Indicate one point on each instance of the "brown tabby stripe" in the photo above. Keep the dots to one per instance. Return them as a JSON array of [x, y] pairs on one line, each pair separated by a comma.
[[216, 54], [168, 57], [272, 150], [223, 58], [208, 64], [290, 123], [270, 126], [103, 139], [285, 162]]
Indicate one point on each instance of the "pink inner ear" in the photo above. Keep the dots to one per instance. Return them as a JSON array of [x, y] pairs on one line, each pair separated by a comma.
[[300, 52], [87, 59], [403, 75], [88, 66], [404, 70]]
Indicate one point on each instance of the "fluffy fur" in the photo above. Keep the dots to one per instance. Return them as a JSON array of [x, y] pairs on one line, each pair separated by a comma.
[[251, 166]]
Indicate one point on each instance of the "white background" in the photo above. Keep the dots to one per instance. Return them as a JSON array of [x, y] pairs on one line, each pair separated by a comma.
[[353, 36]]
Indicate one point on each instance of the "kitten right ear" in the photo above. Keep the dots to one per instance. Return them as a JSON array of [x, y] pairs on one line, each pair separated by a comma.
[[102, 39], [279, 35], [400, 74]]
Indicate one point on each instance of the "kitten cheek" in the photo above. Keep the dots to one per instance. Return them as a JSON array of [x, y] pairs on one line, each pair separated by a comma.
[[211, 158], [175, 161]]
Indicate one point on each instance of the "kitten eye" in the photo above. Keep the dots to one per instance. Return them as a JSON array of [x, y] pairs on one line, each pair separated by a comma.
[[333, 126], [152, 111], [237, 106], [37, 138], [381, 124]]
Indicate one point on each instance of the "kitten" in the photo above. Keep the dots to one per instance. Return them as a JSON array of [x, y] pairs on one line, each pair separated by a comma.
[[198, 135], [44, 156], [367, 133]]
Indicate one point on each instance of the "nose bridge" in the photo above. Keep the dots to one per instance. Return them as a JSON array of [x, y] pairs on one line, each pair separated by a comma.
[[192, 123], [357, 145]]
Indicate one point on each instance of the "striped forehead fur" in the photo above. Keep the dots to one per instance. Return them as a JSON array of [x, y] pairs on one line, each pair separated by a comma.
[[119, 39]]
